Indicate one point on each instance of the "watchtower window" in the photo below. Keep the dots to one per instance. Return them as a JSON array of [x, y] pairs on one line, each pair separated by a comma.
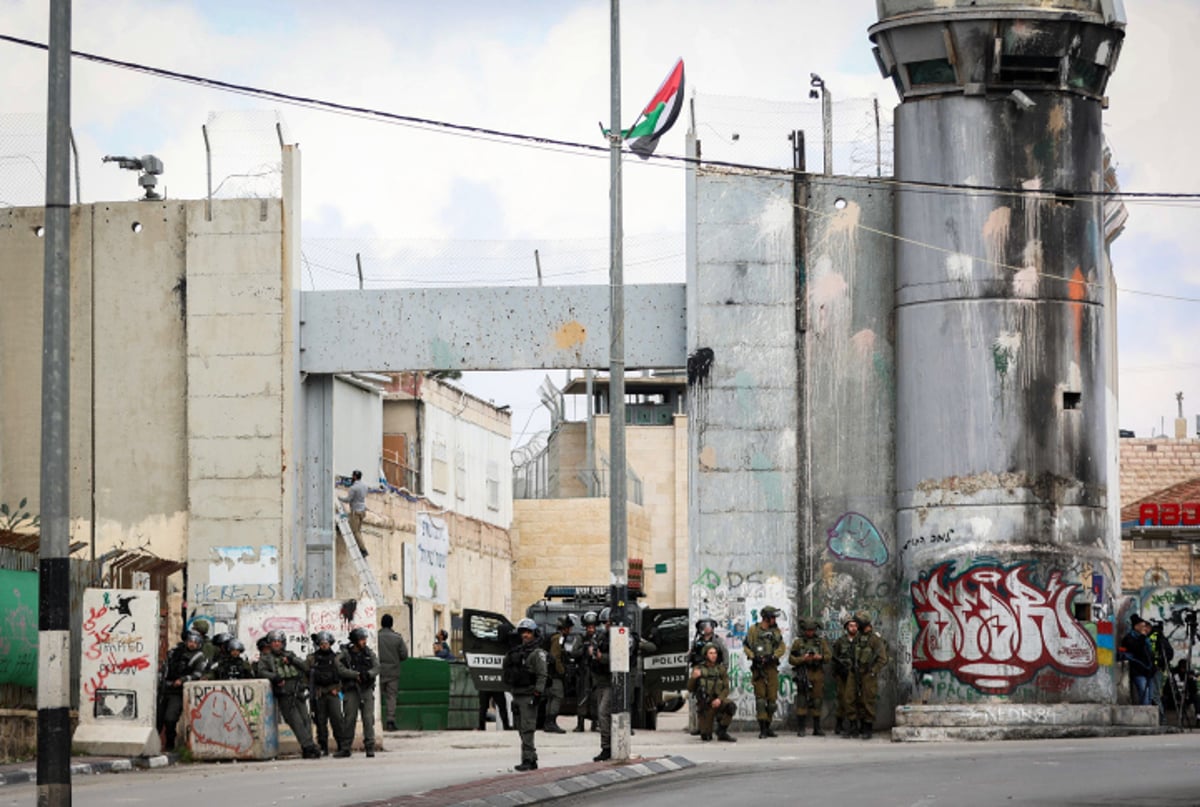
[[1028, 69], [931, 71]]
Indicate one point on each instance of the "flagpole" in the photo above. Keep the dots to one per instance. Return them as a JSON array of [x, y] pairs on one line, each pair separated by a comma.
[[618, 539]]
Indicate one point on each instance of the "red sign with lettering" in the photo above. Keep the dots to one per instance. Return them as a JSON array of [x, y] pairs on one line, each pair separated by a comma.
[[1169, 514]]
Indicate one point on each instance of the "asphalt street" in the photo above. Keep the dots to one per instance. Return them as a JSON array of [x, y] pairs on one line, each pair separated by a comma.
[[1158, 770]]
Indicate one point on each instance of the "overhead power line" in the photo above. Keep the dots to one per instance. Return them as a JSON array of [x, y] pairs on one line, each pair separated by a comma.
[[589, 149]]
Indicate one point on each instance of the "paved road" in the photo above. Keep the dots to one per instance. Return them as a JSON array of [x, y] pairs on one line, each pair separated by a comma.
[[1161, 770]]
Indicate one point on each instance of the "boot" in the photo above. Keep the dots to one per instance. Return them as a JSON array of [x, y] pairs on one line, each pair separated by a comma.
[[390, 726], [528, 765], [605, 753], [724, 736], [817, 727], [595, 726], [770, 732], [851, 728], [800, 721], [762, 729], [370, 749], [706, 737], [552, 726], [325, 748], [865, 731], [579, 725], [839, 727], [341, 753]]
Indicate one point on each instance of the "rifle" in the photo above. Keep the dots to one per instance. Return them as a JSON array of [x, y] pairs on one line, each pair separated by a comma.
[[803, 685]]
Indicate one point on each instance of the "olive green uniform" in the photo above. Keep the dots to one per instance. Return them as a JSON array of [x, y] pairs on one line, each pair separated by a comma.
[[764, 647], [288, 674], [558, 673], [857, 661], [807, 657], [713, 683]]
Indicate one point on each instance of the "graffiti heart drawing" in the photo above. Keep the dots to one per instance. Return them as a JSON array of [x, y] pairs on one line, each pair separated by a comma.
[[854, 537]]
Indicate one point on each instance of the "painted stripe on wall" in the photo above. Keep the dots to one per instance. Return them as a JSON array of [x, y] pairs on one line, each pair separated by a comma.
[[54, 669]]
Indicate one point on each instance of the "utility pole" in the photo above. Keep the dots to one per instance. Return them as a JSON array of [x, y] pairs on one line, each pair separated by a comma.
[[618, 539], [54, 565]]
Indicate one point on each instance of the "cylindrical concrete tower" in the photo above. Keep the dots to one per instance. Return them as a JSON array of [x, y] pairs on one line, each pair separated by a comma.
[[1002, 422]]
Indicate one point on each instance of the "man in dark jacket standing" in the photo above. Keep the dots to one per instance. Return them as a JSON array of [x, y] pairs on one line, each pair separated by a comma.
[[1135, 649], [392, 651]]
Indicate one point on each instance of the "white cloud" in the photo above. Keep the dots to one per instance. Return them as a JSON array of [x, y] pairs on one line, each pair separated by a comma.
[[543, 68]]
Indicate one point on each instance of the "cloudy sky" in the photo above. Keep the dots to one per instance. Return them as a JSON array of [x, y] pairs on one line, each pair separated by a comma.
[[471, 211]]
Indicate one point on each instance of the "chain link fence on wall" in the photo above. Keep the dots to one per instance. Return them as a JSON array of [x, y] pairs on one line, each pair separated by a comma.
[[754, 131], [245, 149], [22, 160]]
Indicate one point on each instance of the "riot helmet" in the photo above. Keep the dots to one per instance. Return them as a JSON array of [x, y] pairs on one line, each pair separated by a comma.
[[277, 636], [221, 639], [357, 635], [234, 646], [323, 636], [606, 615], [192, 637], [591, 618]]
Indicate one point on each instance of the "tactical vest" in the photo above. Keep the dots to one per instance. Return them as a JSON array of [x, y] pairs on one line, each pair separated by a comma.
[[516, 672], [324, 668], [180, 661], [708, 685], [813, 646]]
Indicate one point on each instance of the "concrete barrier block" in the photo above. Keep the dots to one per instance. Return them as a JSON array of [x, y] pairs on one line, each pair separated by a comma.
[[230, 719], [1143, 716]]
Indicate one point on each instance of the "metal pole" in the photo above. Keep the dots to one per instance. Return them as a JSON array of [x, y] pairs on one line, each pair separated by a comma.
[[537, 260], [878, 142], [75, 156], [618, 546], [54, 605], [208, 166], [827, 127], [358, 260]]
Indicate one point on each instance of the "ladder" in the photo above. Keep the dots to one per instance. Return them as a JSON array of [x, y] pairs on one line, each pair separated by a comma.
[[361, 567]]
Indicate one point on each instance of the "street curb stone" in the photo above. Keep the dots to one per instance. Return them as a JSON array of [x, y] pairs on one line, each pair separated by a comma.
[[20, 776], [547, 791]]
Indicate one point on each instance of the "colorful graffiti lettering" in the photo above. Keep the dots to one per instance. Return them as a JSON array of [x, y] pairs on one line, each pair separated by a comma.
[[994, 629], [854, 537]]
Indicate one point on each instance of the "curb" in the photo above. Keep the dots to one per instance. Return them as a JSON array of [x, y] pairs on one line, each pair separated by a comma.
[[20, 776], [548, 791]]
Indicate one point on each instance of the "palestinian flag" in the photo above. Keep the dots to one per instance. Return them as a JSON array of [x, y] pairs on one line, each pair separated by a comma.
[[659, 115]]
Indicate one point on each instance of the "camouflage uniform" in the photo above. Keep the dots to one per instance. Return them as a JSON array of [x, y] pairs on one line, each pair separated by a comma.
[[288, 674], [764, 647], [709, 682], [807, 657]]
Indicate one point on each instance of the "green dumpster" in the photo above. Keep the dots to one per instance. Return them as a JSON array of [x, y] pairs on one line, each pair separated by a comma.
[[464, 699], [423, 699]]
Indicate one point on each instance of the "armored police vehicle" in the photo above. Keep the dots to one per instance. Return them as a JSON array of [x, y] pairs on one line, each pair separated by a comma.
[[487, 636]]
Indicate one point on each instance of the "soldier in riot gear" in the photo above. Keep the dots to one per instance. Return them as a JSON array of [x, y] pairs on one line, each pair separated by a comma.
[[526, 674], [288, 674], [358, 667], [709, 683], [230, 663], [326, 687], [808, 655], [185, 662], [559, 662], [584, 705], [764, 647]]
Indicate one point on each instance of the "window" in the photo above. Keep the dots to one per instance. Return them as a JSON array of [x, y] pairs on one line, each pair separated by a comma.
[[460, 475], [932, 71], [441, 469], [493, 485]]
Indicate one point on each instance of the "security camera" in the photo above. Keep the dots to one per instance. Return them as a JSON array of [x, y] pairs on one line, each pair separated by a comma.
[[150, 167], [1022, 100]]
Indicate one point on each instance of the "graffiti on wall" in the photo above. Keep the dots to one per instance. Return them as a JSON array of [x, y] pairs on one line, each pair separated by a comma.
[[115, 647], [339, 617], [993, 628], [1171, 606], [231, 718], [255, 620], [734, 598], [854, 537]]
